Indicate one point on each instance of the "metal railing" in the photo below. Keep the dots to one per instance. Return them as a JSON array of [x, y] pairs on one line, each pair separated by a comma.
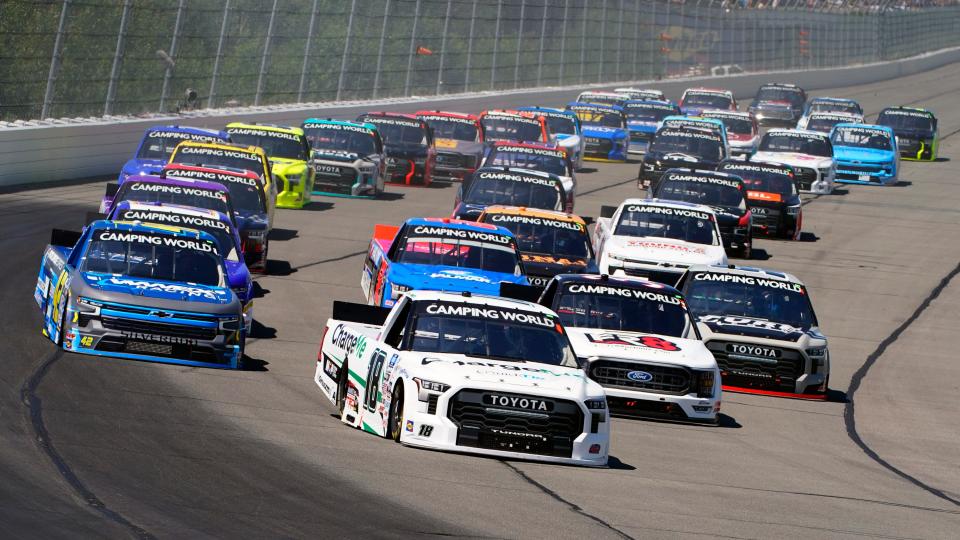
[[81, 58]]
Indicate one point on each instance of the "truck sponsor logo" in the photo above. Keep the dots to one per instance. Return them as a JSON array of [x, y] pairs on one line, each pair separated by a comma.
[[663, 245], [528, 150], [178, 190], [212, 176], [667, 211], [639, 376], [460, 274], [327, 169], [331, 369], [749, 280], [443, 118], [517, 402], [702, 179], [337, 127], [745, 322], [753, 350], [378, 120], [502, 367], [798, 135], [625, 292], [868, 132], [489, 312], [156, 240], [907, 112], [158, 133], [530, 220], [264, 133], [647, 107], [518, 434], [195, 222], [511, 118], [171, 288], [783, 171], [465, 234], [348, 341], [529, 179], [682, 122], [538, 281], [218, 152], [549, 259], [689, 134], [169, 340], [632, 340]]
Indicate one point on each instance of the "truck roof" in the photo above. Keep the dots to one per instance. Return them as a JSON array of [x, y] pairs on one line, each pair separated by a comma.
[[618, 281], [477, 299], [751, 271]]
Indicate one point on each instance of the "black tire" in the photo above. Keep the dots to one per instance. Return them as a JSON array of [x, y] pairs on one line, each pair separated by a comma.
[[396, 413], [342, 389], [63, 321], [746, 251]]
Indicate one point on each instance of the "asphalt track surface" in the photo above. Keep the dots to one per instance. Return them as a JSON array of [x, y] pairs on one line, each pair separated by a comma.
[[98, 447]]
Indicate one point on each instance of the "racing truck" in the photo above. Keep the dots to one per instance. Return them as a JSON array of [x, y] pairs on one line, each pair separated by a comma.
[[158, 143], [515, 126], [564, 128], [605, 133], [408, 145], [916, 131], [778, 103], [218, 225], [865, 154], [830, 104], [347, 158], [824, 121], [722, 192], [680, 147], [760, 326], [464, 373], [696, 100], [657, 240], [508, 187], [647, 94], [459, 141], [550, 243], [140, 291], [772, 196], [643, 118], [637, 340], [439, 254], [808, 152], [287, 150], [248, 198], [743, 132], [548, 158]]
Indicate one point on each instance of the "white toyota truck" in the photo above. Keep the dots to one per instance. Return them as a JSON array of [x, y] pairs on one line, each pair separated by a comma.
[[464, 373]]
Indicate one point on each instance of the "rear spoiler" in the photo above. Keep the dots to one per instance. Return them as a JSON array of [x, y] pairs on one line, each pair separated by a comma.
[[385, 232], [64, 238], [93, 216], [360, 313], [516, 291], [111, 189], [607, 211]]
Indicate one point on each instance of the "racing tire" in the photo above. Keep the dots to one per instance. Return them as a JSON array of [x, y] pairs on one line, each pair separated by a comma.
[[342, 389], [396, 414], [746, 251], [63, 322]]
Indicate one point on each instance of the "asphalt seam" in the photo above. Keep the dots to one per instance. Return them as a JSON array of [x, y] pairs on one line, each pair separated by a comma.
[[34, 413], [849, 411], [572, 506]]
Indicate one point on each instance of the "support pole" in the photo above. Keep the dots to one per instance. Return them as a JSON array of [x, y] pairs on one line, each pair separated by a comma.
[[383, 38], [466, 71], [516, 64], [496, 46], [168, 73], [266, 54], [306, 52], [443, 46], [412, 52], [346, 48], [216, 62], [54, 62]]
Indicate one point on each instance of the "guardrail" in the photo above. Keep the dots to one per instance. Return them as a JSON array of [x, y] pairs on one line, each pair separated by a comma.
[[55, 151]]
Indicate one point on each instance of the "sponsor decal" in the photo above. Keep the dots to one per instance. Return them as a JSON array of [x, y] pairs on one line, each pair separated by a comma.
[[268, 133], [425, 430], [503, 369], [549, 259], [332, 153], [763, 196], [650, 244], [516, 149], [538, 281], [799, 135], [490, 312], [327, 169], [674, 132], [463, 234], [338, 127], [755, 168], [409, 427], [749, 280], [518, 402], [639, 376], [164, 134], [165, 287], [623, 292], [632, 340], [908, 112], [753, 350], [518, 434], [444, 118], [648, 107], [702, 179], [108, 235], [516, 177], [178, 190], [194, 222], [382, 121], [460, 274], [169, 340], [745, 322], [531, 220], [212, 176], [350, 342], [218, 152], [667, 211], [511, 118], [865, 131], [687, 122], [736, 115], [330, 368]]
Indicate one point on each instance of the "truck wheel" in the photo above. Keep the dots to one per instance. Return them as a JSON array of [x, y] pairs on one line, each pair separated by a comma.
[[342, 389], [63, 321], [396, 413]]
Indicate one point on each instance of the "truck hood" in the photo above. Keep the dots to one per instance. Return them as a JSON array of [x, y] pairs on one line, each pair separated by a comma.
[[794, 159], [643, 127], [602, 132], [329, 154], [517, 377], [691, 353], [665, 250], [459, 147], [143, 166], [750, 327], [451, 279], [155, 293], [864, 155], [251, 221]]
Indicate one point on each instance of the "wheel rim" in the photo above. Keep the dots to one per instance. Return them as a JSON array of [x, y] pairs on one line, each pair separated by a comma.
[[397, 406]]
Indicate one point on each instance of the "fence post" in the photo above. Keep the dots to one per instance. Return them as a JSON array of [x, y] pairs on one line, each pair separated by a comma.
[[583, 41], [443, 46], [167, 73], [265, 55], [306, 52], [413, 50], [54, 62], [603, 42], [466, 71], [216, 60], [620, 41], [516, 65], [563, 42], [383, 37], [496, 46], [117, 58], [346, 48], [543, 31], [636, 40]]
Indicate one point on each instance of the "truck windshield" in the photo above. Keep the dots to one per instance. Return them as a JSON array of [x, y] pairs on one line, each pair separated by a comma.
[[452, 128], [153, 256], [545, 236], [666, 222], [174, 194], [488, 331], [857, 137], [614, 307], [906, 120], [689, 141], [735, 296], [275, 144], [489, 191], [433, 248], [709, 101], [357, 142], [526, 158], [498, 128], [798, 143], [213, 157], [702, 192]]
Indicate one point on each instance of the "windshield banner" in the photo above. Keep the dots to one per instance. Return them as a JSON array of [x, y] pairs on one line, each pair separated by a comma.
[[496, 313], [268, 133], [749, 280], [162, 240], [178, 190], [532, 220], [463, 234]]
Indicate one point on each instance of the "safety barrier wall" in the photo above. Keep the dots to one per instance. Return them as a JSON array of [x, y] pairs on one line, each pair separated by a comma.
[[36, 154]]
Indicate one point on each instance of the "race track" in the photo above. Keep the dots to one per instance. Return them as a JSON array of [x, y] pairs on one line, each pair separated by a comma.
[[103, 447]]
